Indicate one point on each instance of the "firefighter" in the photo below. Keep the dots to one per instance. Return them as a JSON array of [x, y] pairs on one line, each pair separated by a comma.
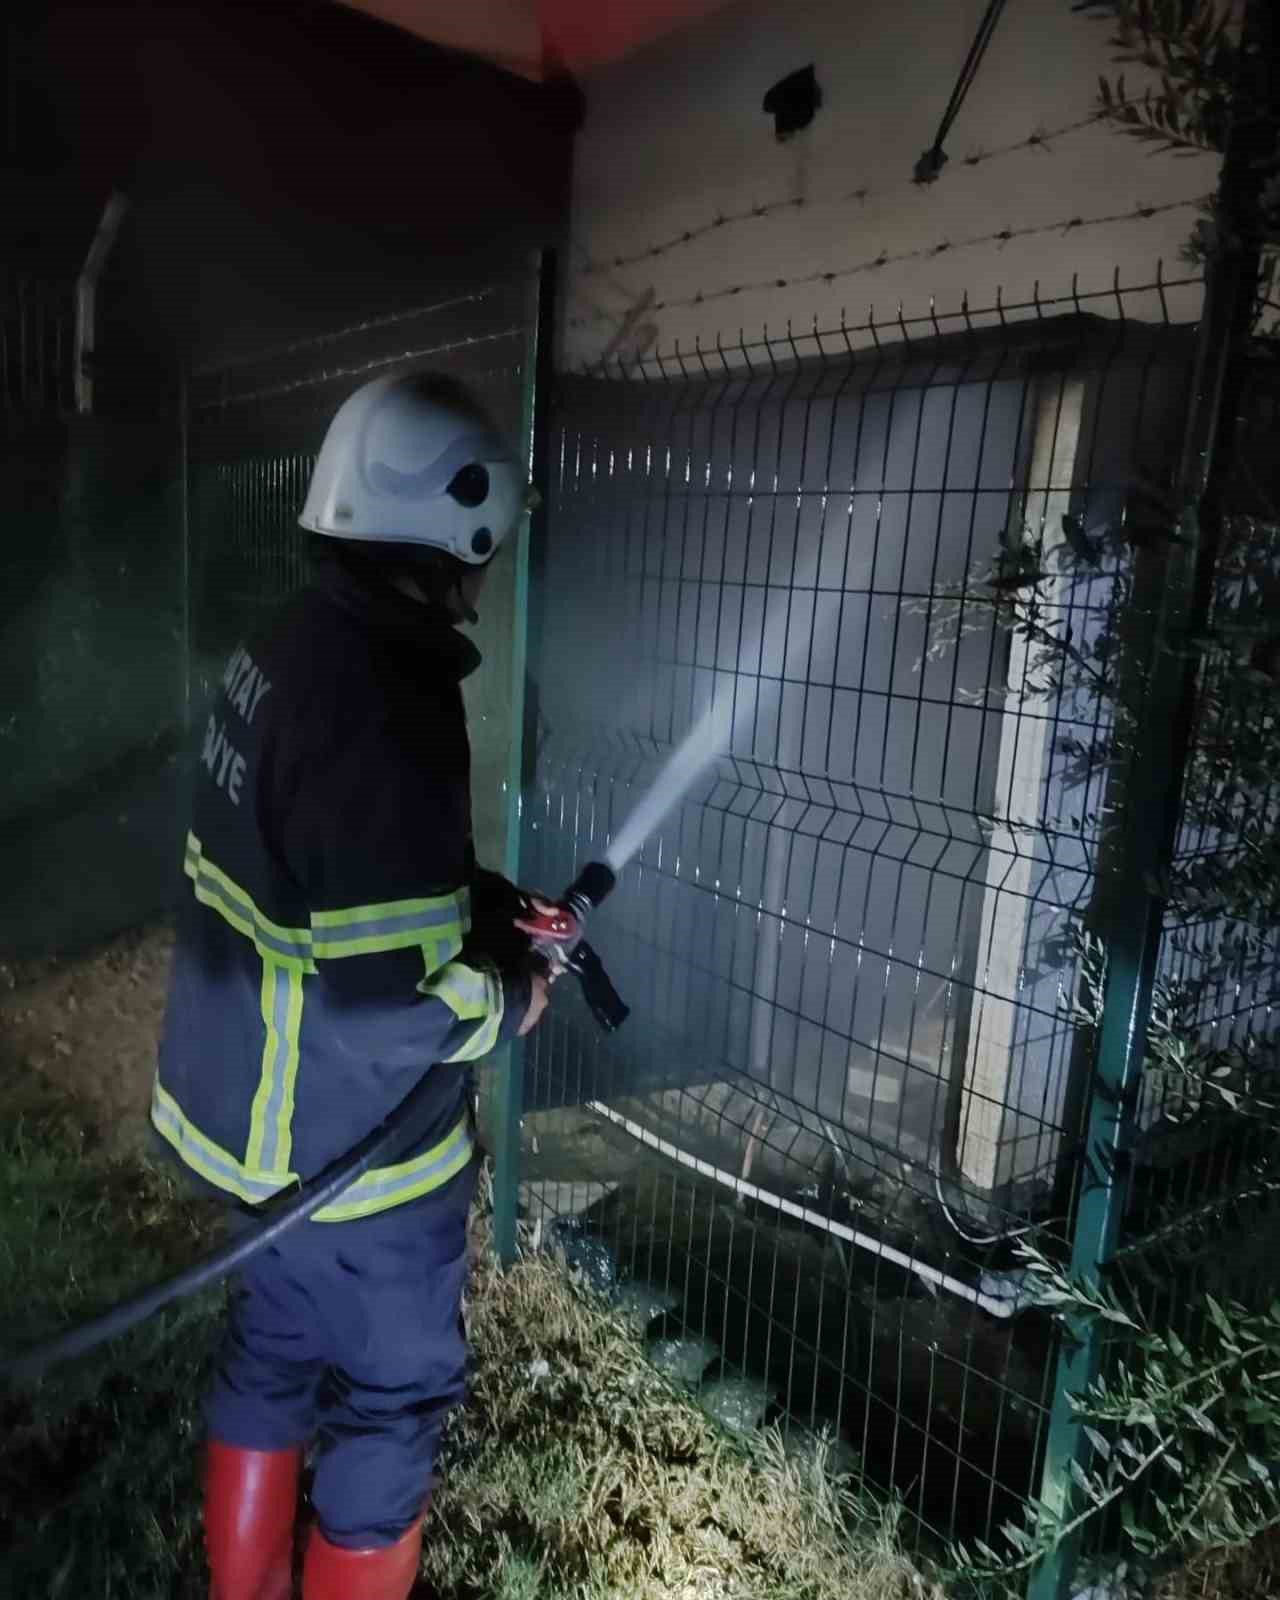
[[324, 963]]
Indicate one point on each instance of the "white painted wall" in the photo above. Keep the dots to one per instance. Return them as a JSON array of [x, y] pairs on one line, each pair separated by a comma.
[[675, 136]]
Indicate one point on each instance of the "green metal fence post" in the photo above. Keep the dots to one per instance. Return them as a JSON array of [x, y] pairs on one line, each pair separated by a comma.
[[1157, 767], [184, 466], [508, 1069]]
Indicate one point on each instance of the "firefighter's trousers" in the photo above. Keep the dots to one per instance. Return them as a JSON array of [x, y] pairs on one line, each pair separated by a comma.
[[349, 1335]]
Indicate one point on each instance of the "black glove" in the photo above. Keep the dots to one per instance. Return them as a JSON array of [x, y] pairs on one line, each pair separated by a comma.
[[494, 937]]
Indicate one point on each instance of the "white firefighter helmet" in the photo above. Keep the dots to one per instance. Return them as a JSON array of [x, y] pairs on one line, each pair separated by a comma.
[[404, 462]]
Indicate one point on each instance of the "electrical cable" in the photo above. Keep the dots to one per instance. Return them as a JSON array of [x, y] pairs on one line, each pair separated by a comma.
[[1040, 139], [986, 1239], [934, 158]]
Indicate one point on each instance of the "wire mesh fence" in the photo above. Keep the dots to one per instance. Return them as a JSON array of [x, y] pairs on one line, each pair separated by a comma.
[[90, 644], [1218, 973], [901, 565], [1200, 1222], [36, 346]]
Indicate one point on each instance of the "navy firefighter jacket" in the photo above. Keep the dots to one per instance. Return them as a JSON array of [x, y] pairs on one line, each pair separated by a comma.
[[320, 967]]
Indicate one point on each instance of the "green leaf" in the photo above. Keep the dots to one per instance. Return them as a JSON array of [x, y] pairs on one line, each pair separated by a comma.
[[1018, 1537], [1200, 1421], [1084, 1481], [1219, 1317], [1180, 1352]]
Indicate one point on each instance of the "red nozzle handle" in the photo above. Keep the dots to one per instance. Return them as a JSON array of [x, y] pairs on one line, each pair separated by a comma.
[[562, 923], [558, 925]]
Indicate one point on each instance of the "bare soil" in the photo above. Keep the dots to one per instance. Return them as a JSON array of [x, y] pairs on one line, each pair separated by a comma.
[[90, 1025]]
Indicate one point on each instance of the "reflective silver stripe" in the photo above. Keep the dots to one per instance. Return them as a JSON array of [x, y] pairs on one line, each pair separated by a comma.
[[211, 887], [437, 923], [408, 922], [204, 1157], [467, 992], [375, 1191], [384, 1188], [481, 1041], [282, 995], [379, 1188]]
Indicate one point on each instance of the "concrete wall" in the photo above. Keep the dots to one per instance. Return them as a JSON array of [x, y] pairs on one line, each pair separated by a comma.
[[675, 138]]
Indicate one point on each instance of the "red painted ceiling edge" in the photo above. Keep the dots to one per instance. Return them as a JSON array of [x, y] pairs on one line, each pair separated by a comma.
[[541, 39], [587, 33]]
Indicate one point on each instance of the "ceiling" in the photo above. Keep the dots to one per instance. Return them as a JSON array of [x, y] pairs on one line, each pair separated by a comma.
[[540, 39]]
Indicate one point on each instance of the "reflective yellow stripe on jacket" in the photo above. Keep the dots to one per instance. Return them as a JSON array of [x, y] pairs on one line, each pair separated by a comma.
[[471, 994], [375, 1191], [271, 1118], [437, 925], [213, 888]]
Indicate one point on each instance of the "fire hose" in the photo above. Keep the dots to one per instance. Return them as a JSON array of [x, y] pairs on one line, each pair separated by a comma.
[[554, 935]]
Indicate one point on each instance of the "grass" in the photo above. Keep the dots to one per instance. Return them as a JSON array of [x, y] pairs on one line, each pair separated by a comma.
[[97, 1465], [576, 1472]]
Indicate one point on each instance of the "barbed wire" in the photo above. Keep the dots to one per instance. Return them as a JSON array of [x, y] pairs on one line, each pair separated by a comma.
[[370, 325], [314, 380], [1040, 139], [886, 258]]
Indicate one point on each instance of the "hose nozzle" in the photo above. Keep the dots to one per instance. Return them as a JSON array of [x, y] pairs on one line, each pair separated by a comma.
[[562, 923], [592, 885]]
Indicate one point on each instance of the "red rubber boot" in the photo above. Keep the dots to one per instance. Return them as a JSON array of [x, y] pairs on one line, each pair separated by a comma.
[[388, 1573], [250, 1502]]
